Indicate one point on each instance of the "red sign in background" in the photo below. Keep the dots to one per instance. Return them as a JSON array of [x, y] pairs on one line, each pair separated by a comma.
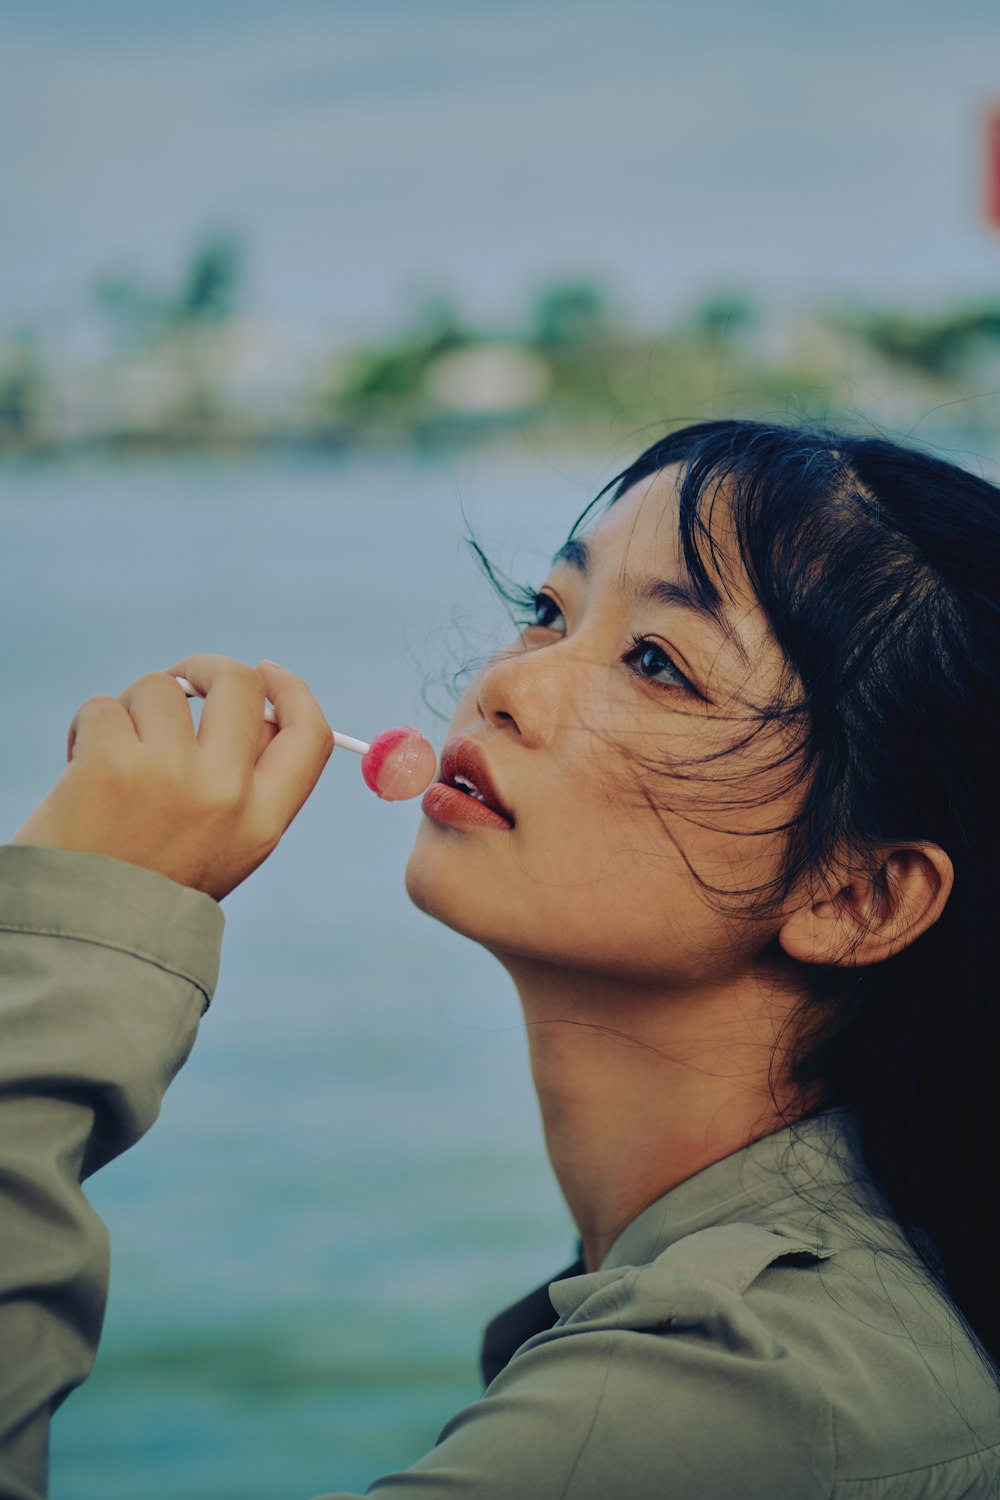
[[993, 166]]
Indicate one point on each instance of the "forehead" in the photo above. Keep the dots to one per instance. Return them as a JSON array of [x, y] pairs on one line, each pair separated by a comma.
[[641, 527], [640, 534]]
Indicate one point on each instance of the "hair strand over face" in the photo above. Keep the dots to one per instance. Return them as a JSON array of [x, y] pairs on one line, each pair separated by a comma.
[[876, 567]]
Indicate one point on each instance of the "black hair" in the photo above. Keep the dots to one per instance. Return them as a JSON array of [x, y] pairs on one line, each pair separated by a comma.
[[877, 567]]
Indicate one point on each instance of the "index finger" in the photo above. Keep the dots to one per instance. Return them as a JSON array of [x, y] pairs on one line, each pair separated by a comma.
[[294, 760], [234, 704]]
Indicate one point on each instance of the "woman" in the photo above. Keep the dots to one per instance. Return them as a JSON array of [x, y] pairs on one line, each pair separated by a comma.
[[726, 813]]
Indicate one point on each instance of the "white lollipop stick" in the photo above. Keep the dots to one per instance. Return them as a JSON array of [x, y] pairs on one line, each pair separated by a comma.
[[345, 741]]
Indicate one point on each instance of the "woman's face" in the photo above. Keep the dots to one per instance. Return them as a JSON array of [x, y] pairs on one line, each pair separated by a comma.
[[570, 719]]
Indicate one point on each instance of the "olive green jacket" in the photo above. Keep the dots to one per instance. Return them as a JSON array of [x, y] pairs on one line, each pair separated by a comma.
[[762, 1332]]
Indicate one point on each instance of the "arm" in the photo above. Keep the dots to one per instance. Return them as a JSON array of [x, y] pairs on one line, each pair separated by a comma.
[[105, 970], [109, 943], [651, 1387], [101, 988]]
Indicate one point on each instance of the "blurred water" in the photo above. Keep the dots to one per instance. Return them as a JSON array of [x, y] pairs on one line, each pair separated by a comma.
[[348, 1177]]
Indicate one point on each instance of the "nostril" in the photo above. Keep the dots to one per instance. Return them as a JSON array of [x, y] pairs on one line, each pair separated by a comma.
[[515, 696]]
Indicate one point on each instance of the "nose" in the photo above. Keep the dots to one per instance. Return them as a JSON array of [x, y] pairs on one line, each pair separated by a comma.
[[519, 690]]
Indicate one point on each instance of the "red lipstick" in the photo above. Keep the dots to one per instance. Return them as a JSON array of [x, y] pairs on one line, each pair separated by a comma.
[[466, 794]]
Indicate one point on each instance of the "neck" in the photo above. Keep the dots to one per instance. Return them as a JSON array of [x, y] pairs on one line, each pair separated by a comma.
[[639, 1090]]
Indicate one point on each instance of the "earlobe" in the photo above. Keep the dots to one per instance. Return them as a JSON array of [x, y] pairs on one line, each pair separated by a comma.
[[867, 920]]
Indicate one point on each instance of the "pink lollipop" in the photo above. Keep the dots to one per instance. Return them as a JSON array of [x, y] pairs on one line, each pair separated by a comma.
[[399, 763]]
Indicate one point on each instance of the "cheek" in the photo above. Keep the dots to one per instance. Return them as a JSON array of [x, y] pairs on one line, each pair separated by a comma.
[[627, 919], [624, 905], [596, 875]]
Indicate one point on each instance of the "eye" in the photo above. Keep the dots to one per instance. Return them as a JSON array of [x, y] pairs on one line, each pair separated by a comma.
[[649, 660], [544, 611]]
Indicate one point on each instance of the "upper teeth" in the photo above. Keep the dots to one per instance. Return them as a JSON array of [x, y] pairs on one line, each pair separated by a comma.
[[470, 787]]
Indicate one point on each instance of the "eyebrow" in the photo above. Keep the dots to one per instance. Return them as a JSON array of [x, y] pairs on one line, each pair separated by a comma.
[[577, 554]]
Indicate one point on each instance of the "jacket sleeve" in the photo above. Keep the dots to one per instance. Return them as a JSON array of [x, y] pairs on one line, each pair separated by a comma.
[[105, 972], [657, 1382]]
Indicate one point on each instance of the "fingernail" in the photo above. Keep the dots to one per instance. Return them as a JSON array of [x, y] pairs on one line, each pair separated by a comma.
[[266, 661]]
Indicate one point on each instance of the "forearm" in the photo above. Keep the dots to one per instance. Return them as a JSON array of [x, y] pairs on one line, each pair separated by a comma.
[[105, 971]]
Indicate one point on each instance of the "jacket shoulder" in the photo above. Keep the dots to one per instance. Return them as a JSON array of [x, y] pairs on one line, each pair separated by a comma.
[[697, 1283]]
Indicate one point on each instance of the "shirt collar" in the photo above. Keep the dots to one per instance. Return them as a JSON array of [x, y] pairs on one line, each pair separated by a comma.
[[807, 1180], [782, 1180]]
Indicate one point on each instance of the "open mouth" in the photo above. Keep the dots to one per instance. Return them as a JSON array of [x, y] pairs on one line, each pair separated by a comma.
[[460, 806], [465, 785], [465, 769], [470, 792]]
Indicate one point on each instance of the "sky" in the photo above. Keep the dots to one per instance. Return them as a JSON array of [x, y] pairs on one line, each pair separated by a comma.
[[376, 152]]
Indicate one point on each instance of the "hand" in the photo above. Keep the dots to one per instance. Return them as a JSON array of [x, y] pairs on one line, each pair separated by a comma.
[[203, 808]]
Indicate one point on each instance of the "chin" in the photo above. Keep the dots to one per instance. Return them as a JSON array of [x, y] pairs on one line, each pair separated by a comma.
[[417, 884], [427, 883], [442, 891]]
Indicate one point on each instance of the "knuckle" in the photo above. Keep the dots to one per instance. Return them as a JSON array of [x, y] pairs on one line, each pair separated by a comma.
[[173, 781], [228, 791], [212, 663], [326, 741], [263, 840], [204, 660], [243, 670], [114, 772], [240, 670], [90, 714], [144, 683]]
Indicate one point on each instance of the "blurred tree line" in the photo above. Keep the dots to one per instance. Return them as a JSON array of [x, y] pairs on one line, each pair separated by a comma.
[[184, 366], [206, 296]]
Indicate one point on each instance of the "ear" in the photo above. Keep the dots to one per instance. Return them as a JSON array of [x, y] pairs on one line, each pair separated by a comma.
[[861, 923]]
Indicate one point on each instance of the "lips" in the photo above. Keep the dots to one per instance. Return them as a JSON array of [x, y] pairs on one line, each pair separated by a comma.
[[463, 764]]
